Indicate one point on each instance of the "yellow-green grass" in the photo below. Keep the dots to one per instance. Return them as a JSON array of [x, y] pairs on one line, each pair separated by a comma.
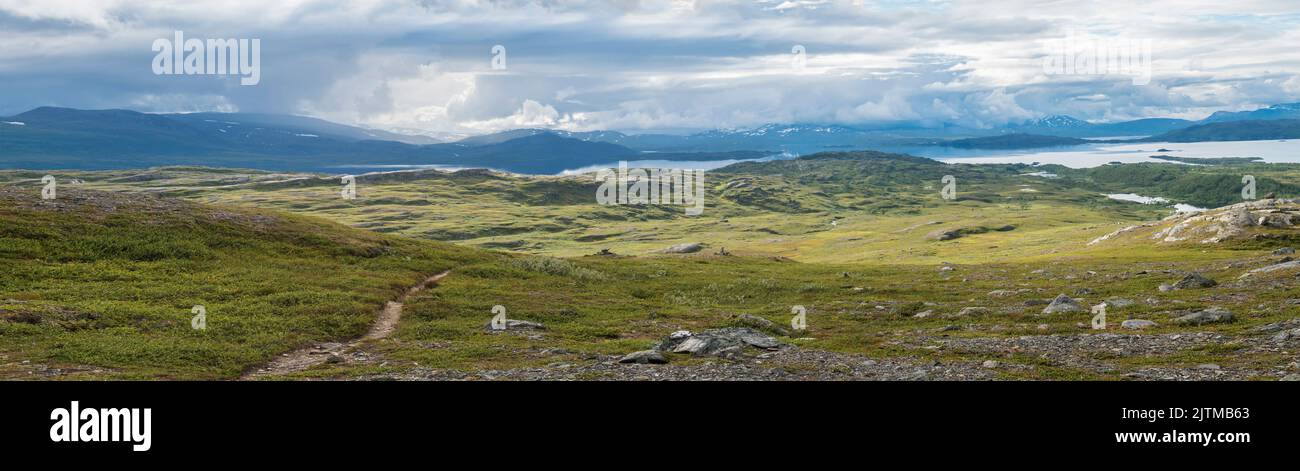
[[783, 257]]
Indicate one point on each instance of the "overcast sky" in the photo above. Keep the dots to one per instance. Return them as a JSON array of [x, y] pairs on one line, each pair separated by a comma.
[[653, 64]]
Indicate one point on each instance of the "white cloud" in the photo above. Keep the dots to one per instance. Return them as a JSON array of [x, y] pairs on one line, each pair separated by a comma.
[[655, 64]]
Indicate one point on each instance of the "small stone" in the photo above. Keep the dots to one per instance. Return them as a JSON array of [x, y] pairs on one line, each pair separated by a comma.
[[515, 324], [1119, 303], [1291, 377], [1208, 366], [991, 364], [923, 314], [1284, 251], [644, 357], [1137, 324], [1193, 281], [1061, 304]]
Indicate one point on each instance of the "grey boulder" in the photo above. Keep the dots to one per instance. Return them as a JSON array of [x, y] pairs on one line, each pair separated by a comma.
[[1061, 304], [1208, 316], [1137, 324], [1194, 280]]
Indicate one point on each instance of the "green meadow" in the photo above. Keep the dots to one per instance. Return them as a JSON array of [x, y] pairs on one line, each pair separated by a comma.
[[100, 283]]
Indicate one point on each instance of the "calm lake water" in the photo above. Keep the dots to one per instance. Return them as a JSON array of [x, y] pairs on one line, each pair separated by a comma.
[[1092, 155], [1081, 156]]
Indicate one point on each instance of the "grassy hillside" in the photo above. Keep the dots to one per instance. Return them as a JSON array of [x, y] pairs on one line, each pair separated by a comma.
[[102, 285]]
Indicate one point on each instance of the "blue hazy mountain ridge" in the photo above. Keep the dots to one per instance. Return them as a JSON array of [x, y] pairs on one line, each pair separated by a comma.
[[51, 137], [1234, 130], [301, 125], [1014, 141], [811, 138], [1279, 111]]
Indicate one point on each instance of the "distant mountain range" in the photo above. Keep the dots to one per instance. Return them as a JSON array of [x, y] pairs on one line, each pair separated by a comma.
[[1013, 141], [1242, 130], [772, 137], [1066, 126], [812, 138], [50, 137], [1245, 130]]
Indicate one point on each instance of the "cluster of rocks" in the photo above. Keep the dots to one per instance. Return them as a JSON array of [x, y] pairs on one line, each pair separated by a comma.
[[1281, 331], [784, 364], [729, 342]]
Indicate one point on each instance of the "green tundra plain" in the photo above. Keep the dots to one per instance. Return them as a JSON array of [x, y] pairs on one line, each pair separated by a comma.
[[896, 281]]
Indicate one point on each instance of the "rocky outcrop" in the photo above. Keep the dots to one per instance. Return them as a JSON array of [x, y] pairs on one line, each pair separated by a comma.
[[1216, 225], [717, 342], [1229, 222]]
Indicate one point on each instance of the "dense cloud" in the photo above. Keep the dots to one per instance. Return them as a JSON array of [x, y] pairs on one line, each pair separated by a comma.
[[653, 64]]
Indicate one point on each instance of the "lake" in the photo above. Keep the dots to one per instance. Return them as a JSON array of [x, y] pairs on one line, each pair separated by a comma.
[[1080, 156], [1093, 155]]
